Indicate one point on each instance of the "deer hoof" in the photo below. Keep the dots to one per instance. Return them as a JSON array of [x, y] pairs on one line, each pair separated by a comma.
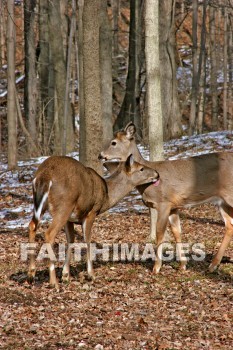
[[54, 285], [182, 267], [156, 269], [91, 277], [212, 267], [31, 276], [30, 279], [66, 278]]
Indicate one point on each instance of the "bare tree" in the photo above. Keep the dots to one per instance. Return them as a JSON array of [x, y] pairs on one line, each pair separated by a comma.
[[230, 73], [153, 90], [30, 82], [46, 80], [168, 70], [213, 68], [106, 72], [201, 78], [115, 14], [60, 74], [2, 34], [130, 110], [225, 73], [194, 92], [11, 90], [91, 127]]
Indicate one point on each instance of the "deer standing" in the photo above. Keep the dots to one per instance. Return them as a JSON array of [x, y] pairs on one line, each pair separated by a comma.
[[183, 183], [74, 193]]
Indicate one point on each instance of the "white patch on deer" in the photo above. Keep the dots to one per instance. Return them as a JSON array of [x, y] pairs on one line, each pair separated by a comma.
[[84, 230], [34, 184], [65, 269], [89, 268], [44, 199], [51, 267]]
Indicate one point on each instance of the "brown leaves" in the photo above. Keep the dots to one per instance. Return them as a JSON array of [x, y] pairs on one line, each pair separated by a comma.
[[126, 307]]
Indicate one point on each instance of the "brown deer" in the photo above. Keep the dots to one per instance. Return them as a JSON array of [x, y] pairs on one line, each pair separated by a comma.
[[183, 183], [74, 193]]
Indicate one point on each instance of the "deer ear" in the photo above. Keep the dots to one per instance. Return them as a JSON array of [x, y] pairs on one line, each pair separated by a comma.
[[129, 163], [130, 130]]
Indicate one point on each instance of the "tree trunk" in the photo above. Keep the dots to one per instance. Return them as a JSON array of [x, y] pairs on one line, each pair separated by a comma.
[[201, 78], [91, 127], [153, 80], [194, 92], [11, 92], [153, 104], [130, 110], [225, 75], [2, 34], [80, 60], [30, 82], [106, 73], [46, 79], [64, 25], [115, 14], [213, 70], [170, 102], [230, 68], [67, 106], [60, 77]]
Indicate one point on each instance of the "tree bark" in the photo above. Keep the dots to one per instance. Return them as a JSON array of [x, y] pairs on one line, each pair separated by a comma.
[[194, 92], [153, 80], [2, 34], [230, 72], [106, 73], [115, 15], [11, 98], [225, 75], [80, 61], [46, 80], [91, 127], [201, 75], [213, 70], [153, 98], [60, 77], [67, 108], [30, 82], [170, 101], [130, 110]]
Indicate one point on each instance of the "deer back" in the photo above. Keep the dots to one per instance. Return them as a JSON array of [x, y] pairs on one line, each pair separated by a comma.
[[69, 184]]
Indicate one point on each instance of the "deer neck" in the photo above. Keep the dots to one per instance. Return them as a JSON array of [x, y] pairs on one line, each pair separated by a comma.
[[137, 155], [118, 186]]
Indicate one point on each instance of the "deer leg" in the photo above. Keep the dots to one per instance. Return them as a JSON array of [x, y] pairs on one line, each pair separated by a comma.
[[163, 214], [32, 235], [174, 220], [227, 214], [86, 227], [69, 228], [58, 222], [153, 221]]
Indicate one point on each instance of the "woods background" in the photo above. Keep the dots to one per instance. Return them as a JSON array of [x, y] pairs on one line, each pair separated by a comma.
[[72, 71]]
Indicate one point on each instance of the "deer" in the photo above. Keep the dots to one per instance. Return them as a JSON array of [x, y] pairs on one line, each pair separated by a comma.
[[183, 183], [76, 194]]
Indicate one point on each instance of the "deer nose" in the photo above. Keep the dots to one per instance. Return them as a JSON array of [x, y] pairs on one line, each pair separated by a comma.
[[100, 156]]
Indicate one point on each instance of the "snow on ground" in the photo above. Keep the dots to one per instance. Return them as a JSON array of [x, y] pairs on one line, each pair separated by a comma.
[[16, 205]]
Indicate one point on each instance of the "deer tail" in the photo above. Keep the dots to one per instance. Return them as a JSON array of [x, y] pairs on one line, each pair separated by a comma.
[[40, 196]]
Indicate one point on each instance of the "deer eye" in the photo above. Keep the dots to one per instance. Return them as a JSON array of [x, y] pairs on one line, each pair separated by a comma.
[[114, 143], [141, 169]]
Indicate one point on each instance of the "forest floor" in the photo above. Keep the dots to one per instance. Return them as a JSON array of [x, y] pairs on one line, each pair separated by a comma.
[[126, 307]]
